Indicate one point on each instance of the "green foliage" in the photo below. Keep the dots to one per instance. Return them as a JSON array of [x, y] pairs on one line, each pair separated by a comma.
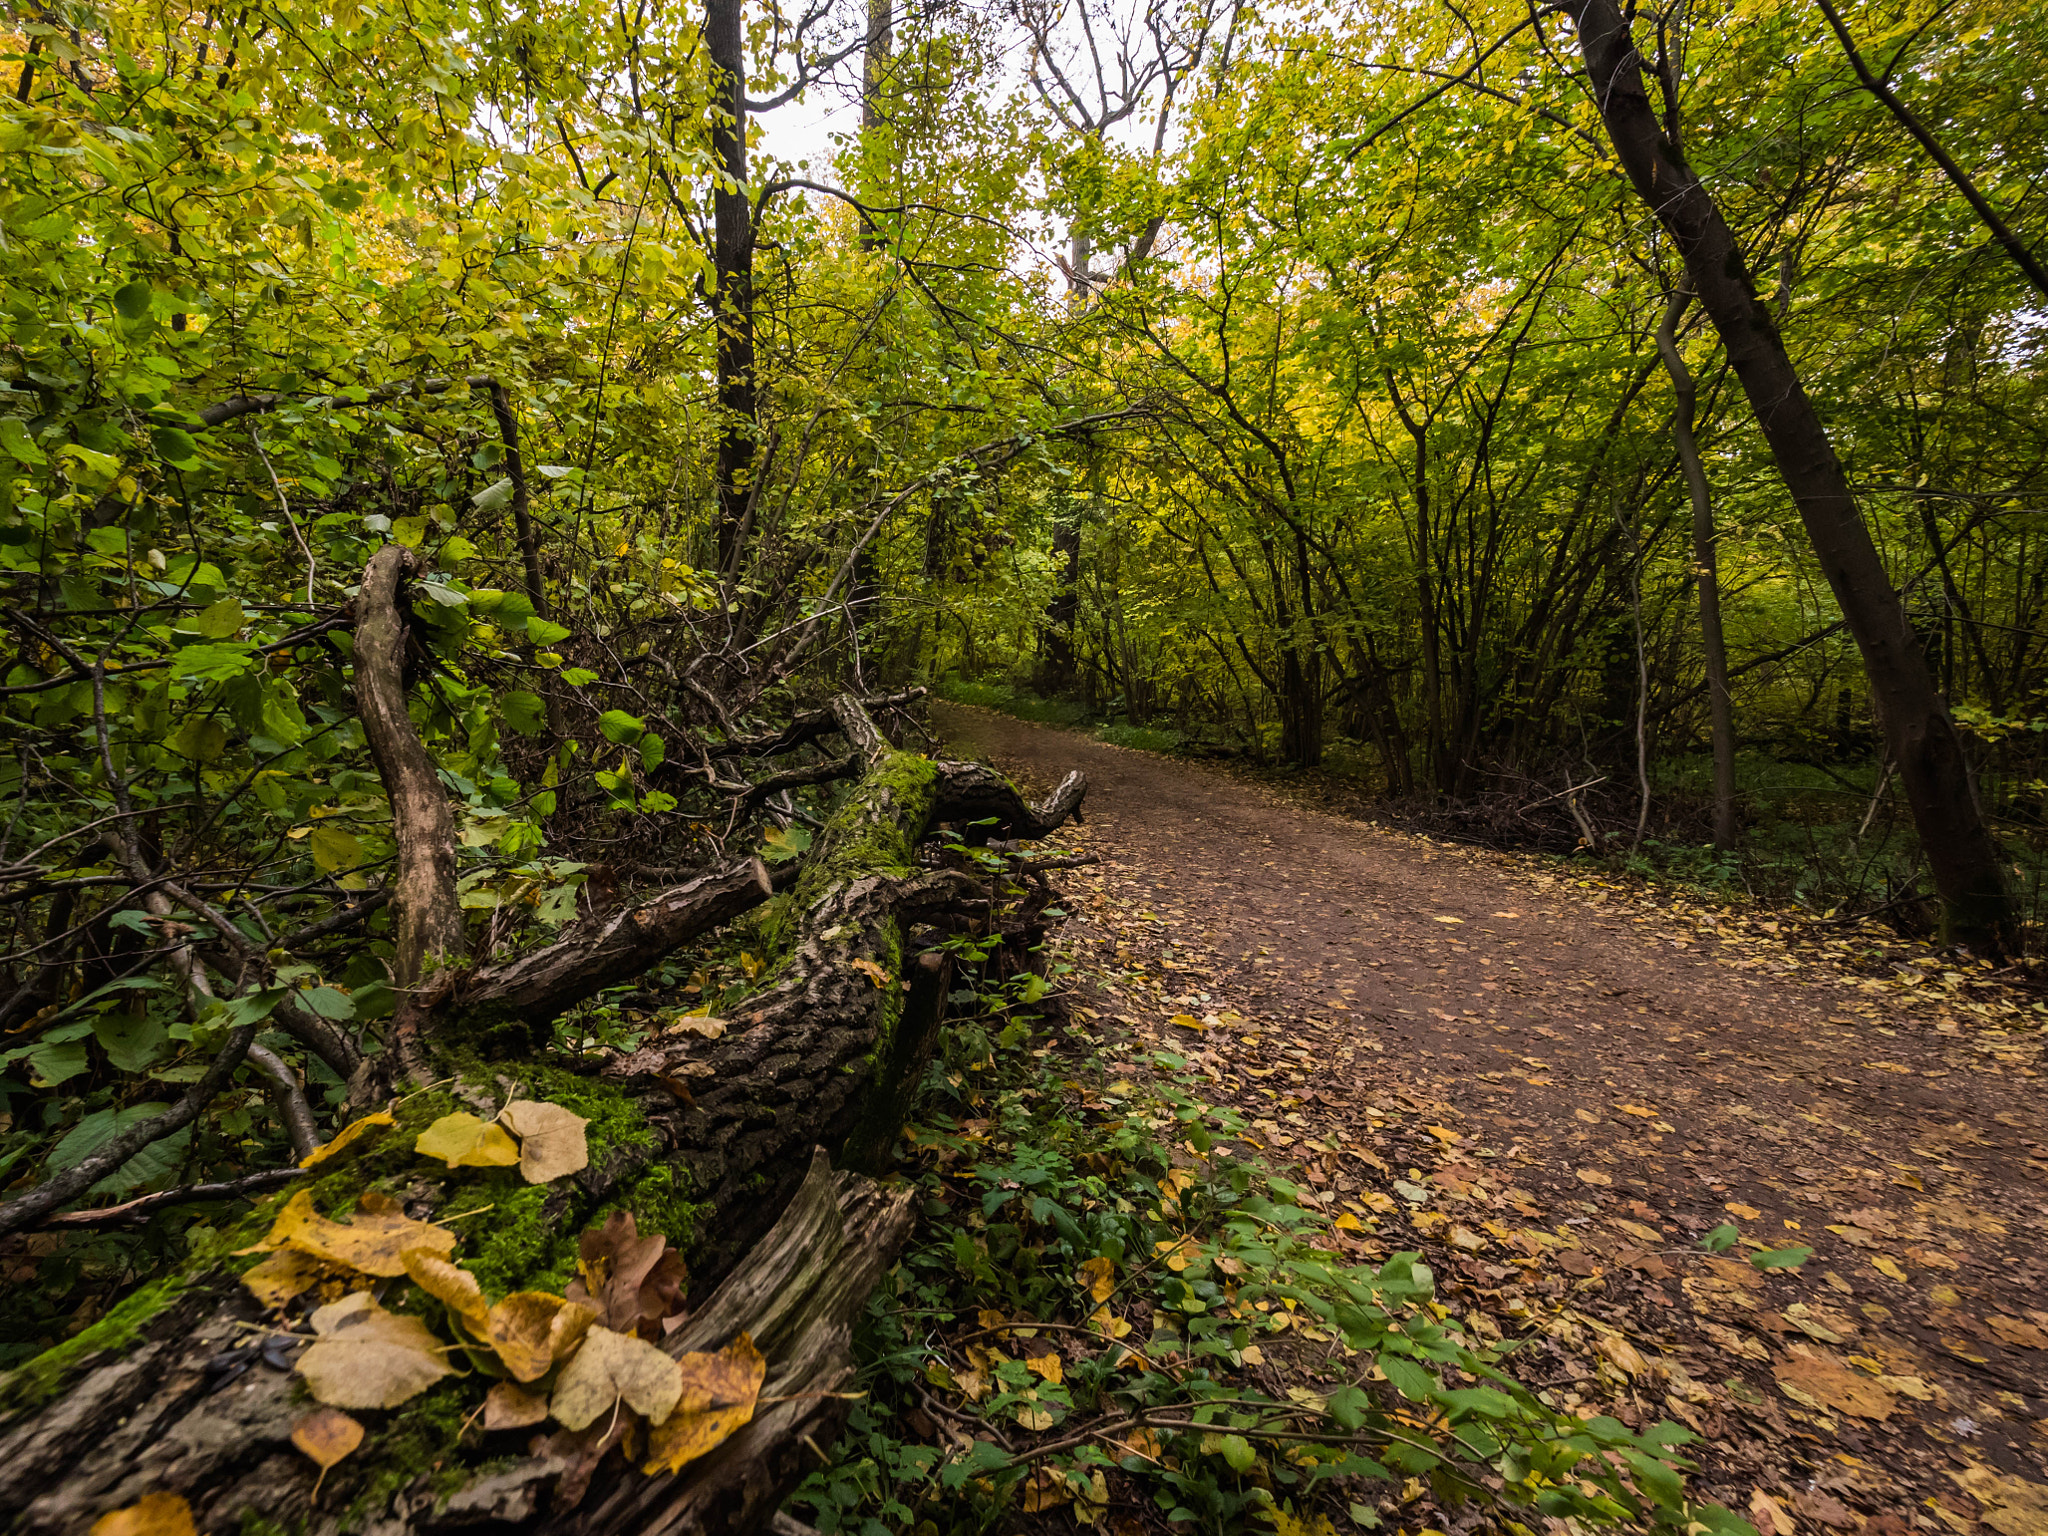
[[1101, 1265]]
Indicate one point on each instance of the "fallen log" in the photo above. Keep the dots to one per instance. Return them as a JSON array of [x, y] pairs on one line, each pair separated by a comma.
[[722, 1140]]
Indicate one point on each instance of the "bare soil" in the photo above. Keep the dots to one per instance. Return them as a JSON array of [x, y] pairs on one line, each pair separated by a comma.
[[1554, 1085]]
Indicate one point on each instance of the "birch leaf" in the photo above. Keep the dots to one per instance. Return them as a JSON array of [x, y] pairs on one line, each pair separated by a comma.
[[155, 1514], [719, 1394], [373, 1242], [455, 1288], [612, 1366], [463, 1141], [533, 1330], [510, 1406], [551, 1141], [367, 1357], [346, 1137], [327, 1435]]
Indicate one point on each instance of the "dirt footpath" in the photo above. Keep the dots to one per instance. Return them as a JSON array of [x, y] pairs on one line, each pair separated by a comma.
[[1556, 1086]]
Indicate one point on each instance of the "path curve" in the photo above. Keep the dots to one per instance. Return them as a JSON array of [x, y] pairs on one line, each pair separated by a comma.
[[1555, 1090]]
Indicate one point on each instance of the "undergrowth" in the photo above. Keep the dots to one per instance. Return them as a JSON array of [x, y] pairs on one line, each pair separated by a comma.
[[1112, 1314]]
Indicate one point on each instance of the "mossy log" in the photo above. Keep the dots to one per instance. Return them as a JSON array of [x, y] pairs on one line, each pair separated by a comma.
[[724, 1145]]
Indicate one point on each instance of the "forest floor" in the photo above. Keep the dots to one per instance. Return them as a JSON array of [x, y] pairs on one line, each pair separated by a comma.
[[1554, 1084]]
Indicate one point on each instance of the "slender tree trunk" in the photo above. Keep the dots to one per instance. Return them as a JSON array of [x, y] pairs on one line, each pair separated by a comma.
[[876, 61], [1440, 770], [1706, 572], [1933, 766], [733, 258]]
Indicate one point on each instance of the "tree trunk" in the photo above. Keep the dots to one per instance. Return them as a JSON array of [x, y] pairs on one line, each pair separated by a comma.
[[732, 213], [1706, 571], [1933, 766]]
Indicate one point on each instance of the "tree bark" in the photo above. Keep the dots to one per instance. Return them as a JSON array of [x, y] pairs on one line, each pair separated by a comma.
[[732, 213], [1933, 765], [1706, 571], [426, 917]]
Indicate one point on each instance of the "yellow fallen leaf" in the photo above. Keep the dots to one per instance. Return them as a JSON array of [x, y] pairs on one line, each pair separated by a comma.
[[1187, 1021], [719, 1393], [455, 1288], [1742, 1212], [345, 1138], [463, 1141], [1107, 1323], [1099, 1276], [327, 1435], [366, 1357], [1047, 1365], [283, 1275], [2019, 1334], [610, 1367], [1888, 1266], [533, 1330], [1638, 1111], [1045, 1489], [1033, 1417], [373, 1241], [551, 1141], [155, 1514], [1348, 1223], [1823, 1381], [872, 971], [1443, 1134], [1944, 1296], [1624, 1355], [1450, 919], [510, 1406], [1593, 1176], [2013, 1506]]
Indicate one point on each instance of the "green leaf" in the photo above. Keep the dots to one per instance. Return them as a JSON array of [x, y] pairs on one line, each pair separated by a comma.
[[545, 631], [408, 531], [175, 446], [620, 728], [1722, 1238], [154, 1164], [133, 1042], [199, 738], [93, 466], [219, 621], [526, 713], [249, 1008], [780, 846], [131, 301], [15, 439], [1781, 1258], [1238, 1452], [55, 1059], [216, 663], [335, 847], [652, 752], [1408, 1378], [493, 496]]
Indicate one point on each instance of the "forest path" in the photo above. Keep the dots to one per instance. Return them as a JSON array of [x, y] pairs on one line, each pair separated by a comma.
[[1554, 1086]]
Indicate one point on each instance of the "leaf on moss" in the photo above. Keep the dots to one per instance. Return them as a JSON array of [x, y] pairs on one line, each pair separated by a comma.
[[455, 1288], [366, 1357], [328, 1436], [551, 1141], [622, 1276], [610, 1367], [374, 1242], [285, 1274], [510, 1406], [532, 1331], [719, 1394], [463, 1141], [346, 1137], [154, 1514]]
